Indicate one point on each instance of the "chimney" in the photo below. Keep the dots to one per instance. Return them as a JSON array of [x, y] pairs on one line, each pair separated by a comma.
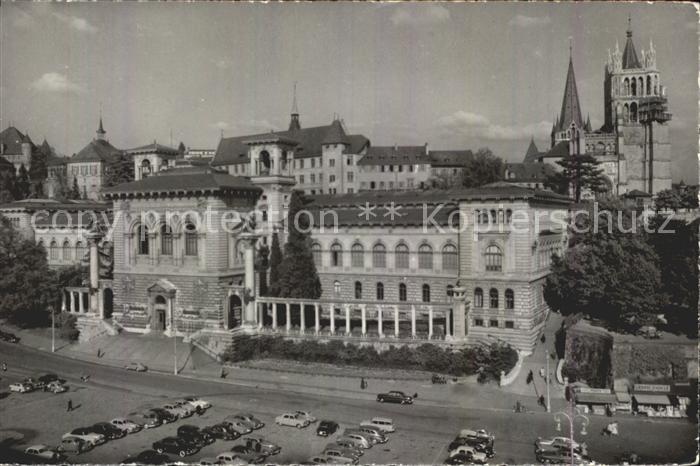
[[426, 148]]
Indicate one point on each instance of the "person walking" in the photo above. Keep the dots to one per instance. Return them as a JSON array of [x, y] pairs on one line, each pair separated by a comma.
[[363, 383], [70, 405], [4, 367], [529, 377]]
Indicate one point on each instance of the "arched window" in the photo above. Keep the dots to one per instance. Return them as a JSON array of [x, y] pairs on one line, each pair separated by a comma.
[[265, 162], [358, 290], [142, 240], [493, 298], [626, 87], [336, 255], [401, 256], [379, 256], [649, 91], [66, 251], [450, 259], [53, 250], [510, 299], [402, 292], [166, 240], [641, 86], [450, 292], [190, 239], [478, 298], [493, 258], [633, 111], [380, 291], [357, 255], [316, 252], [634, 87], [426, 293], [626, 113], [336, 288], [425, 257], [145, 168], [656, 85], [509, 215], [79, 251]]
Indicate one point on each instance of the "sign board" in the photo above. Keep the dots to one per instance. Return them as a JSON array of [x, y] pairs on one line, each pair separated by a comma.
[[594, 390], [644, 387]]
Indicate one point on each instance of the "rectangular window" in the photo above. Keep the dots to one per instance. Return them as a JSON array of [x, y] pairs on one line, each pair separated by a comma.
[[301, 179], [320, 177], [190, 243], [331, 162], [349, 162], [493, 323], [312, 177], [320, 162], [391, 168], [478, 322], [510, 324], [350, 190], [400, 168], [351, 177], [331, 178], [391, 185], [313, 163]]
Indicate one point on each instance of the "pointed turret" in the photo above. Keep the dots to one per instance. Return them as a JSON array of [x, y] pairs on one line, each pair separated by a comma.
[[629, 56], [570, 106], [294, 124], [588, 123], [532, 151], [100, 131], [336, 134]]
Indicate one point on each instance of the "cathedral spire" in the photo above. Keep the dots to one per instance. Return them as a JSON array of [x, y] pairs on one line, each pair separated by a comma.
[[629, 56], [570, 106], [294, 124]]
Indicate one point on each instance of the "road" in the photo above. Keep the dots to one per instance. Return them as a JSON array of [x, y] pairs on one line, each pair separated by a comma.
[[423, 431]]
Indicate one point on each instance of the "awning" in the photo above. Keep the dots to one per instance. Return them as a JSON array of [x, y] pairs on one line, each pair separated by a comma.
[[644, 399], [623, 397], [595, 398]]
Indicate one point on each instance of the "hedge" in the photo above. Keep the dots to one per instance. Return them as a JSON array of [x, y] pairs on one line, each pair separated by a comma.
[[486, 360]]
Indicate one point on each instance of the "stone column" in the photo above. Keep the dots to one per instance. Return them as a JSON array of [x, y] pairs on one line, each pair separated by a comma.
[[396, 321], [63, 300], [302, 318], [261, 314], [460, 313], [430, 322], [347, 319], [72, 301], [379, 321], [249, 261], [448, 330], [413, 320], [274, 316], [80, 302], [93, 238], [363, 309], [332, 318], [317, 322], [289, 317]]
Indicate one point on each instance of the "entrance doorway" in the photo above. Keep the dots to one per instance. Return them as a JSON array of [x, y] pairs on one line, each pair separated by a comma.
[[160, 313], [234, 311], [107, 302]]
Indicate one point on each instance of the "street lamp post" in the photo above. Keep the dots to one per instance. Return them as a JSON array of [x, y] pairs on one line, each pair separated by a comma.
[[53, 329], [571, 416], [549, 406]]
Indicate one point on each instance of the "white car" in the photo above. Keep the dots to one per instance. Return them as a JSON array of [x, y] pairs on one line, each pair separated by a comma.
[[306, 415], [481, 434], [292, 419], [340, 453], [90, 437], [556, 442], [478, 457], [21, 387], [197, 404], [382, 423], [55, 387], [126, 425], [44, 452], [228, 457]]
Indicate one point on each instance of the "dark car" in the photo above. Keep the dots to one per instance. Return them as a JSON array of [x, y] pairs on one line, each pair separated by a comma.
[[194, 435], [9, 337], [395, 396], [221, 431], [460, 458], [107, 429], [176, 445], [48, 378], [147, 457], [165, 417], [326, 428], [478, 444], [248, 454]]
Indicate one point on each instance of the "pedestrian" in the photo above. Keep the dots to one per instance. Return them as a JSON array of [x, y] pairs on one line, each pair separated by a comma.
[[4, 367], [415, 395], [70, 405], [529, 377], [223, 373], [363, 383], [99, 353], [540, 400], [542, 372], [543, 339]]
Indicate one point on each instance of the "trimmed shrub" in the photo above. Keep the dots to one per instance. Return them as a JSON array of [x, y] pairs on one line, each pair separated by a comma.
[[65, 324]]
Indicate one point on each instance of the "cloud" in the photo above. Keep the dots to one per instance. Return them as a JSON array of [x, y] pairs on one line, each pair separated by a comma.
[[56, 82], [474, 125], [420, 15], [523, 21], [79, 24]]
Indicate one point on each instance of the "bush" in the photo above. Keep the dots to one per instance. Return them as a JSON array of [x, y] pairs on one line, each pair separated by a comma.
[[65, 323], [486, 360]]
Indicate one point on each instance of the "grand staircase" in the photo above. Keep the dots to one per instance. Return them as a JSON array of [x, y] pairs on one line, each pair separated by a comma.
[[92, 326]]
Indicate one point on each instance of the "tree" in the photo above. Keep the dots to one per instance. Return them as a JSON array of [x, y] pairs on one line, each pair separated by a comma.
[[37, 166], [668, 199], [23, 185], [261, 265], [75, 190], [483, 168], [61, 190], [7, 185], [444, 181], [120, 169], [608, 273], [27, 286], [298, 275], [579, 173], [181, 148], [275, 263]]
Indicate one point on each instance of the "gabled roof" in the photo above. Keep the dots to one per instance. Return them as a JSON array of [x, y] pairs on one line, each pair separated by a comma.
[[528, 172], [335, 134], [97, 150], [532, 151], [394, 155], [570, 106], [560, 149], [153, 148], [629, 56], [184, 179], [54, 160], [12, 140], [449, 158], [235, 151]]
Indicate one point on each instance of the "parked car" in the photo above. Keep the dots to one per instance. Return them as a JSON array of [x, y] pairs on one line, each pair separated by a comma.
[[185, 405], [562, 443], [55, 387], [221, 431], [177, 411], [244, 422], [307, 415], [261, 445], [559, 456], [208, 461], [371, 438], [147, 457], [353, 453], [35, 383], [461, 458], [228, 457], [136, 366], [165, 416], [253, 421], [238, 425], [359, 440], [478, 445], [349, 444], [481, 435], [340, 454], [110, 431], [176, 446], [325, 459], [21, 387], [248, 454], [199, 405], [126, 425], [383, 423], [47, 378], [377, 436], [88, 435], [476, 456], [326, 428], [147, 419], [72, 444], [8, 337], [194, 435], [44, 453], [649, 332], [395, 396], [291, 419]]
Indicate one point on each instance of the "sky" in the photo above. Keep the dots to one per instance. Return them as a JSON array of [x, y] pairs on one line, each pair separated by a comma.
[[457, 76]]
